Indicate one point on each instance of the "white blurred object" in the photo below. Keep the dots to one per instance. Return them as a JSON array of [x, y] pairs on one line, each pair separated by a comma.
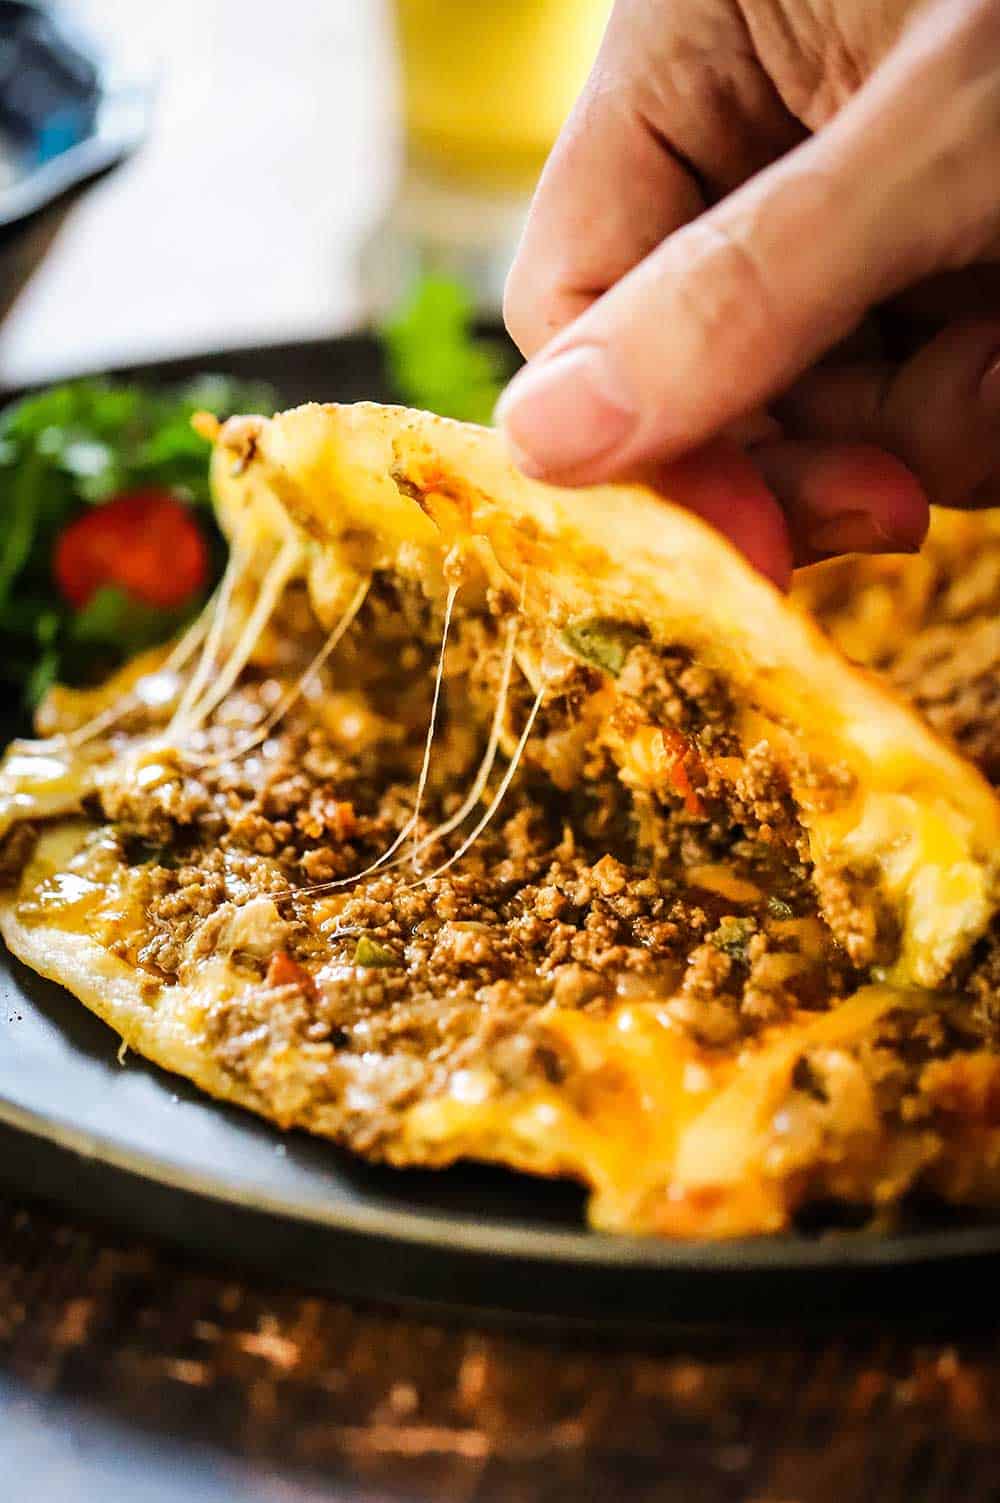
[[272, 152]]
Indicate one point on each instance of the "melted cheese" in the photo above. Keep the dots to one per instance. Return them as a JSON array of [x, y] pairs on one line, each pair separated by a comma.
[[671, 1137], [920, 848], [39, 785], [76, 883], [716, 877], [902, 825]]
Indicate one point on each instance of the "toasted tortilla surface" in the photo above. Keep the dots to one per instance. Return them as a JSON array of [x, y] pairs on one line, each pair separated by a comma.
[[722, 950]]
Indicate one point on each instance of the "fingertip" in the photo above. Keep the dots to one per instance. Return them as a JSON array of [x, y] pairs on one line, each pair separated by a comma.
[[877, 483], [565, 413], [519, 458], [845, 498], [721, 484]]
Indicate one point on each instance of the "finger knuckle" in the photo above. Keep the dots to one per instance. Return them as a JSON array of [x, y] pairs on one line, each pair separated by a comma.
[[729, 293]]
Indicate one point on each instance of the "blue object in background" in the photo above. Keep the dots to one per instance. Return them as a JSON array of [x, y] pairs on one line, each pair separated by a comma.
[[63, 128], [62, 117], [50, 84]]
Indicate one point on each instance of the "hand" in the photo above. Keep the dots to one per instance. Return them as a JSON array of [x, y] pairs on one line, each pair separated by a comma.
[[744, 187]]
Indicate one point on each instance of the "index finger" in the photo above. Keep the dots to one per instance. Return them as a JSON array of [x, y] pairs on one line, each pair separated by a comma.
[[676, 99], [609, 194]]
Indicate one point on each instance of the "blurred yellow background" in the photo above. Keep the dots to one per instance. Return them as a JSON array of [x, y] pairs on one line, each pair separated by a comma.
[[275, 175], [487, 85]]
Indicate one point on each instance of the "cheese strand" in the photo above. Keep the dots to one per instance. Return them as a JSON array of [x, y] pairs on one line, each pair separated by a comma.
[[495, 802], [290, 696], [271, 590], [219, 611], [475, 793], [410, 825]]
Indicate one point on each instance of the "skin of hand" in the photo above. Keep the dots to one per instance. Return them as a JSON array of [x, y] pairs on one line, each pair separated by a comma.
[[762, 270]]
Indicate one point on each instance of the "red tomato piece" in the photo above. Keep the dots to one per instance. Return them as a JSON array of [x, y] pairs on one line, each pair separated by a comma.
[[677, 743], [679, 778], [146, 543], [284, 971]]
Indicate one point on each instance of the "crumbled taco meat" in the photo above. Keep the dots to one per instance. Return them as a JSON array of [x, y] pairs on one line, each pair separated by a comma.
[[588, 890], [951, 673], [582, 890], [930, 624]]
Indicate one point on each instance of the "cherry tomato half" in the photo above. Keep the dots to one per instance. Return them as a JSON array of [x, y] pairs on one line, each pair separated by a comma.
[[147, 543]]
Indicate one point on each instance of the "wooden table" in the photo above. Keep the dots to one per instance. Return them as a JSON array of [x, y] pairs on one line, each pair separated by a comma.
[[131, 1376], [134, 1377]]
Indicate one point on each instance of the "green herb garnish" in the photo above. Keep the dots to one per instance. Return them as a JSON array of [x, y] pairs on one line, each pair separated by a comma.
[[368, 952], [779, 909], [604, 643], [733, 936], [64, 452], [435, 358]]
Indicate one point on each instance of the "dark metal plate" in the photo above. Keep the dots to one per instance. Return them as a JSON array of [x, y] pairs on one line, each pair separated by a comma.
[[130, 1142]]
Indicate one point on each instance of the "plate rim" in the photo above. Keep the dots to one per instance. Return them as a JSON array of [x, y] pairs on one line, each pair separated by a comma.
[[511, 1240]]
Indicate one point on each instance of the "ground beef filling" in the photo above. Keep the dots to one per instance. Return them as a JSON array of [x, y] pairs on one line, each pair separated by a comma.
[[545, 906], [951, 673], [583, 891], [931, 625]]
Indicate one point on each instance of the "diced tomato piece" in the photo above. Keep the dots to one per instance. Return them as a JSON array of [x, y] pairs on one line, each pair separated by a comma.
[[675, 742], [147, 543], [679, 746], [681, 781], [341, 820], [284, 971]]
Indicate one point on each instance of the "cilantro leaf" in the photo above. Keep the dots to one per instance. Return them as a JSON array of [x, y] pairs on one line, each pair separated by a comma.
[[733, 936], [78, 445]]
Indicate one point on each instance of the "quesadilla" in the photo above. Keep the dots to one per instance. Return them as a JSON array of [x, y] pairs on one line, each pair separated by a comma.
[[483, 819]]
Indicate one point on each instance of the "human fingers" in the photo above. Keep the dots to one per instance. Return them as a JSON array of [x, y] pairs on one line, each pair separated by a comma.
[[676, 101], [938, 412], [844, 498], [731, 308], [723, 486]]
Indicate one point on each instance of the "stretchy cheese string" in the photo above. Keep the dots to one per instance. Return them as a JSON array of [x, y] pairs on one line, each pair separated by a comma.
[[497, 799], [475, 793], [489, 756], [411, 823], [183, 650], [290, 696], [271, 590], [219, 615]]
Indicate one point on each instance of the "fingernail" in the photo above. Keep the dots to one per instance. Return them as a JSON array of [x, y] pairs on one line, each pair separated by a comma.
[[855, 532], [566, 411], [989, 387]]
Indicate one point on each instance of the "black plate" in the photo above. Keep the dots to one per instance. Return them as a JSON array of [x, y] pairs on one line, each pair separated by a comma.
[[133, 1143]]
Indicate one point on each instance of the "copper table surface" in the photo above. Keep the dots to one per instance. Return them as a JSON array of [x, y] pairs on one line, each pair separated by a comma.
[[128, 1373]]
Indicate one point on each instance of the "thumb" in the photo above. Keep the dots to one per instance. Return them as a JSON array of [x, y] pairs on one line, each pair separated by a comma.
[[732, 308]]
